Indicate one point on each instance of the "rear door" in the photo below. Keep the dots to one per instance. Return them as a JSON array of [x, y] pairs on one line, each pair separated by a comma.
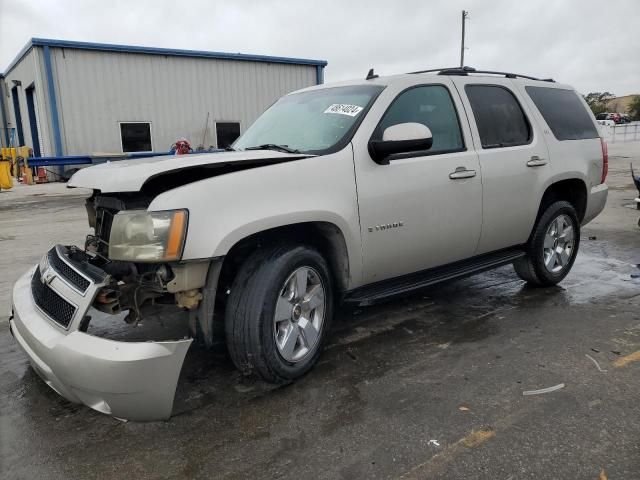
[[571, 134], [513, 158]]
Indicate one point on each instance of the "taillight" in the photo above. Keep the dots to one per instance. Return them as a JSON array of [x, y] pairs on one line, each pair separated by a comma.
[[605, 160]]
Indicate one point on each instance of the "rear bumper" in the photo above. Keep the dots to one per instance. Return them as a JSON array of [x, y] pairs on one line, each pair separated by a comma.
[[596, 201], [131, 380]]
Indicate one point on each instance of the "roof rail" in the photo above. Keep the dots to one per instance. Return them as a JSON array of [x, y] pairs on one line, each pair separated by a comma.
[[467, 70]]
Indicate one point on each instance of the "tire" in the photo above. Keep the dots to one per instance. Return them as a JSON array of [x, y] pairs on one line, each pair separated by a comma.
[[268, 283], [550, 251]]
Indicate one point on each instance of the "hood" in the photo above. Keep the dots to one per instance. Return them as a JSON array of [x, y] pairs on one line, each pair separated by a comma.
[[170, 171]]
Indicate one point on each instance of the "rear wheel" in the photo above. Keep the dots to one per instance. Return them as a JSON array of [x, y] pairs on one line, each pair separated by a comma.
[[279, 312], [553, 246]]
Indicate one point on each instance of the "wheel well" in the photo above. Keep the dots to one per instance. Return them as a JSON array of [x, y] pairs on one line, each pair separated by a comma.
[[572, 190], [324, 236]]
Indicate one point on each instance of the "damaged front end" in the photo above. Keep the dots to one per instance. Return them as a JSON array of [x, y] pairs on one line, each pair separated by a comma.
[[55, 303]]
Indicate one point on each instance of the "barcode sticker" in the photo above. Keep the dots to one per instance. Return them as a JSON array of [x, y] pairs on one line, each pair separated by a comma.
[[343, 109]]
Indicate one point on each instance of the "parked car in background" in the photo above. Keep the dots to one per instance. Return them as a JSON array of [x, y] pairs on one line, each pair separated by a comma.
[[605, 119], [352, 192], [624, 118]]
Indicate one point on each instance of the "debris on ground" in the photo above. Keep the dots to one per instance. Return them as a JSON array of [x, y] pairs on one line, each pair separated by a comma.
[[544, 390], [433, 442], [593, 238], [624, 361], [595, 362], [462, 408]]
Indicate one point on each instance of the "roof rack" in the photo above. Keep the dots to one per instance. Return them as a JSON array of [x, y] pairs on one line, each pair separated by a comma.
[[467, 70]]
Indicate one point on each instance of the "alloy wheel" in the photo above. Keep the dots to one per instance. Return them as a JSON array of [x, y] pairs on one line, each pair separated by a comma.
[[558, 244], [299, 314]]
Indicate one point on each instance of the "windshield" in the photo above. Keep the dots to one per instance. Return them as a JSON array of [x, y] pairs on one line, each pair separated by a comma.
[[319, 121]]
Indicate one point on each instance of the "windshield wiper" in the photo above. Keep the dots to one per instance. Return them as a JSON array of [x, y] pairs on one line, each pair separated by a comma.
[[273, 146]]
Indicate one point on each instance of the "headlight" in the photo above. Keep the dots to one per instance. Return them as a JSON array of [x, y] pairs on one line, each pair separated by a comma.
[[142, 236]]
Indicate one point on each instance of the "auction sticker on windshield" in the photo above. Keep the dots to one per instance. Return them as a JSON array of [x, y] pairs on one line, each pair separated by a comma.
[[344, 109]]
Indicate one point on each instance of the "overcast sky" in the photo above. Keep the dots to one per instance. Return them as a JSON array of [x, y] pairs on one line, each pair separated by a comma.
[[592, 45]]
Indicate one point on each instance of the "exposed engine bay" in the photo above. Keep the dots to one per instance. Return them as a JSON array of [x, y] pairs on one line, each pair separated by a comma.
[[134, 286]]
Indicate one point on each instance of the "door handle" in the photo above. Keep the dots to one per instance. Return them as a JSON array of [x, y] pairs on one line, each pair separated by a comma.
[[462, 172], [536, 161]]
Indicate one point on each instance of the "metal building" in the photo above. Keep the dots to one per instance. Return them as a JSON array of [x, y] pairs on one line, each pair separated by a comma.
[[75, 98]]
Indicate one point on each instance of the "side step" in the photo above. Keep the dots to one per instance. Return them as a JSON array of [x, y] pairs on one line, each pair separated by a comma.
[[376, 292]]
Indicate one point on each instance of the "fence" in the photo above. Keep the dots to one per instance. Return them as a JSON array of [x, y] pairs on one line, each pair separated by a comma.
[[626, 132]]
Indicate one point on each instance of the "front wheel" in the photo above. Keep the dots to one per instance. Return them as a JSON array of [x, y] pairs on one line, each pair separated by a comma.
[[552, 248], [279, 312]]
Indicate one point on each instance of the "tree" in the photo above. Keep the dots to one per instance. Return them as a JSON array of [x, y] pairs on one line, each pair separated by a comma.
[[634, 108], [597, 101]]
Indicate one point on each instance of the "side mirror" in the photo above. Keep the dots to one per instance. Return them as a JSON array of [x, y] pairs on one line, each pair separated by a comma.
[[401, 138]]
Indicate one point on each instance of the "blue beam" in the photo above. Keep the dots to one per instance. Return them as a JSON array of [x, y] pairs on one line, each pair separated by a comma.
[[53, 104]]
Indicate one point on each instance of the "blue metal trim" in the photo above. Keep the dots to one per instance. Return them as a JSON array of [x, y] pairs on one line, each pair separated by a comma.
[[17, 114], [87, 159], [53, 104], [3, 112], [57, 161], [172, 52], [33, 122], [319, 74], [105, 47]]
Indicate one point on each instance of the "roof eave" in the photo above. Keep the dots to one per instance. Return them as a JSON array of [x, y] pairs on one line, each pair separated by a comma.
[[106, 47]]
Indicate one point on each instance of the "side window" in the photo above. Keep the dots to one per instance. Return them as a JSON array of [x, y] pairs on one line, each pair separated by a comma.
[[431, 106], [565, 114], [499, 117]]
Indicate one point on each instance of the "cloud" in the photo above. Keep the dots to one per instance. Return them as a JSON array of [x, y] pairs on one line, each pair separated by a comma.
[[586, 43]]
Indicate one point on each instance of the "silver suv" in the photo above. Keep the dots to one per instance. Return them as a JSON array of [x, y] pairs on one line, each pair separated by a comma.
[[349, 192]]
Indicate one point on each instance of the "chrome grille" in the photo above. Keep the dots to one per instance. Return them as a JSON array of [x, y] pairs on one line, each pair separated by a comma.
[[65, 271], [56, 307]]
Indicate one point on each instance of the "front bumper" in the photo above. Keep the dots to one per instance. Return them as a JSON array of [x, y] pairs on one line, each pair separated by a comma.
[[131, 380]]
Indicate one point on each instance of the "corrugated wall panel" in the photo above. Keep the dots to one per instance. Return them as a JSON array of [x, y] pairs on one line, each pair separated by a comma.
[[96, 90], [29, 72]]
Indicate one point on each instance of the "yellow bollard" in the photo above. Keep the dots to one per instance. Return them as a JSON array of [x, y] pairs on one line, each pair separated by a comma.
[[6, 181]]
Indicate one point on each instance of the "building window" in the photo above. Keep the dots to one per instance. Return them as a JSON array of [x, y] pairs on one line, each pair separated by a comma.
[[227, 133], [135, 136]]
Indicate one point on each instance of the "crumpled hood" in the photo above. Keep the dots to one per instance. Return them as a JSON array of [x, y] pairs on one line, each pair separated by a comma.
[[131, 175]]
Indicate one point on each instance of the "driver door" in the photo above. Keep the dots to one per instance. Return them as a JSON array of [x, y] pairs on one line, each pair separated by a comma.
[[415, 212]]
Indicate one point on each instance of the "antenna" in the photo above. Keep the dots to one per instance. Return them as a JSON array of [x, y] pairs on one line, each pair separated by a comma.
[[371, 75]]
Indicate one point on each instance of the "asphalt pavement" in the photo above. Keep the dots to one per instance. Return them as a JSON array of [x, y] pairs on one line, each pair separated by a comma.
[[425, 387]]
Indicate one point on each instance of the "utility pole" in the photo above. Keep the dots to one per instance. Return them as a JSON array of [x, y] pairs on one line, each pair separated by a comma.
[[465, 14]]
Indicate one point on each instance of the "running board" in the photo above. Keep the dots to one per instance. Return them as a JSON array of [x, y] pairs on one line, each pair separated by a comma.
[[376, 292]]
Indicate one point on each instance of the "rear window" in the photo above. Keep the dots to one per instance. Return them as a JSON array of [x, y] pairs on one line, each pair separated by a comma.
[[500, 119], [563, 111]]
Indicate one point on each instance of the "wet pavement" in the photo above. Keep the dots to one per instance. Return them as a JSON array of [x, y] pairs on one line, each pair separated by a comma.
[[428, 386]]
